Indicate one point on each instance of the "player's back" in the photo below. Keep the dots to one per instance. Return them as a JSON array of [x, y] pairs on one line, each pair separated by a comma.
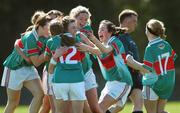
[[69, 68], [163, 57]]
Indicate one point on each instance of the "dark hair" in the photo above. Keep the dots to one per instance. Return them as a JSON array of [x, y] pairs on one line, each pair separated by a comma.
[[67, 40], [36, 15], [126, 13], [56, 13], [56, 27], [112, 28], [66, 21], [42, 21]]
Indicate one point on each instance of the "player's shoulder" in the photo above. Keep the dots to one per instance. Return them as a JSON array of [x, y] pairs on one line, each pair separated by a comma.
[[29, 37], [115, 39]]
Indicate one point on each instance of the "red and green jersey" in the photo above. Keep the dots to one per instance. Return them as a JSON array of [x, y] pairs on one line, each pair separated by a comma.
[[31, 45], [52, 44], [86, 62], [69, 68], [112, 64], [87, 28], [159, 58]]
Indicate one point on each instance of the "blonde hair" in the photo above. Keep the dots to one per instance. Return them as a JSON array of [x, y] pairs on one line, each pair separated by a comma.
[[36, 15], [156, 28], [79, 9]]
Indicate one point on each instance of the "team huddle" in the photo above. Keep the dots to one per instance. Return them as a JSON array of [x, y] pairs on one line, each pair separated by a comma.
[[64, 44]]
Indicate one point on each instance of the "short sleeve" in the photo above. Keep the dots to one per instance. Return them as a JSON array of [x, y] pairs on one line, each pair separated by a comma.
[[118, 47], [148, 59], [48, 48], [31, 46]]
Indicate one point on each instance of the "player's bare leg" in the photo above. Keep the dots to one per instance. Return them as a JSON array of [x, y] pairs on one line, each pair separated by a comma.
[[13, 100], [151, 106], [86, 107], [52, 104], [92, 98], [161, 106], [106, 103], [137, 99], [34, 86], [58, 106], [77, 106], [46, 105], [67, 106]]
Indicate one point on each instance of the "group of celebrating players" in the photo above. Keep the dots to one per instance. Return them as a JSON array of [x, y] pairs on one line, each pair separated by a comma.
[[64, 44]]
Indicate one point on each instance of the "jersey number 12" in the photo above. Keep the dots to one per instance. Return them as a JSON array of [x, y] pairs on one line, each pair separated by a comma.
[[67, 59]]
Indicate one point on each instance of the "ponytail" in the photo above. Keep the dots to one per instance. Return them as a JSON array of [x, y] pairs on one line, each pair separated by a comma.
[[67, 39]]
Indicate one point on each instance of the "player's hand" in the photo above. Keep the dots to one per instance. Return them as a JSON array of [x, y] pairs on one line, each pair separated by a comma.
[[90, 34], [60, 51], [129, 58], [82, 47]]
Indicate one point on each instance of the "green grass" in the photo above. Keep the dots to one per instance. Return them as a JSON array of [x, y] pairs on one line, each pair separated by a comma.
[[172, 107]]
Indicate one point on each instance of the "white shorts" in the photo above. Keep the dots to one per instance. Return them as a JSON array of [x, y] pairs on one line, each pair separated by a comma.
[[117, 90], [90, 80], [149, 94], [47, 82], [69, 91], [13, 79]]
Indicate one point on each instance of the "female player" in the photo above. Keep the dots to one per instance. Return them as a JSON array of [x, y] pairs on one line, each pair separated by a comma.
[[19, 73], [112, 65], [82, 16], [158, 66], [55, 29], [68, 75]]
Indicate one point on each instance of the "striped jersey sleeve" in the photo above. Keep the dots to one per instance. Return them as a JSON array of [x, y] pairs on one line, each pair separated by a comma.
[[118, 48], [48, 47], [148, 59], [31, 46]]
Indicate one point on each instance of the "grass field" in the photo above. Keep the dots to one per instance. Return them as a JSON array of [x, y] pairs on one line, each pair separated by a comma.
[[172, 107]]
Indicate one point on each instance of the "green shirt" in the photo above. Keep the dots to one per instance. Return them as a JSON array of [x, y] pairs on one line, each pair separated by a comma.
[[159, 58], [86, 62], [112, 64], [69, 67], [31, 45]]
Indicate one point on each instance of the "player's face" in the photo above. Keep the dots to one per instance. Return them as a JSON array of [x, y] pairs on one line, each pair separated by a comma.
[[45, 29], [82, 19], [72, 28], [103, 33], [131, 23]]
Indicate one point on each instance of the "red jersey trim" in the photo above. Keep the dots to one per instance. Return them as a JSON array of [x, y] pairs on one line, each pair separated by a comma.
[[116, 47], [170, 65], [147, 63], [108, 62], [48, 50], [31, 51], [39, 44]]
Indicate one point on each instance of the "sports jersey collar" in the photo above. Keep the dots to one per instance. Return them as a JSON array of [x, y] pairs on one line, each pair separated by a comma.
[[111, 39], [156, 40], [35, 34]]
